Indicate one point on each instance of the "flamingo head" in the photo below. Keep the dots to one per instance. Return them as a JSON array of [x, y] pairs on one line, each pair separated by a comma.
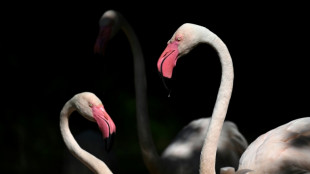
[[182, 41], [109, 24], [91, 108]]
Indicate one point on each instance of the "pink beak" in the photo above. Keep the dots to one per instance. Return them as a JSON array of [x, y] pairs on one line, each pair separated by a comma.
[[102, 39], [168, 60], [104, 121]]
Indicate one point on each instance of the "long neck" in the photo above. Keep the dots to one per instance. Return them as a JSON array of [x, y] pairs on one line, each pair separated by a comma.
[[93, 163], [208, 154], [149, 152]]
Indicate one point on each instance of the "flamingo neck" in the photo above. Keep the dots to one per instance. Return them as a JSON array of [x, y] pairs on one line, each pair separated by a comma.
[[150, 155], [208, 153], [93, 163]]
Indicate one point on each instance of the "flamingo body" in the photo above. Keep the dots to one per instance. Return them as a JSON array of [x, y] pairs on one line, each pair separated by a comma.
[[282, 150], [185, 149]]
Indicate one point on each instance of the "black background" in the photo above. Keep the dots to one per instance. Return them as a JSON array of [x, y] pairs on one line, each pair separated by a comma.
[[47, 55]]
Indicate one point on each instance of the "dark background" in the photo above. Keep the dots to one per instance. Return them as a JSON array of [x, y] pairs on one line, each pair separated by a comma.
[[47, 55]]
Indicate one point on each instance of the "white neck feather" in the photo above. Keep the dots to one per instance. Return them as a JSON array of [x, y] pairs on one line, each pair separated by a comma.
[[208, 154]]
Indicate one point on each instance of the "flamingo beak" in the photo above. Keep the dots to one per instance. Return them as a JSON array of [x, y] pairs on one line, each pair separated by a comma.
[[109, 142], [105, 124], [168, 60], [102, 39]]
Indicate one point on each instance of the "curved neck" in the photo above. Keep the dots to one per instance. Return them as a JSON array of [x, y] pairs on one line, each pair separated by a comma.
[[150, 155], [208, 153], [93, 163]]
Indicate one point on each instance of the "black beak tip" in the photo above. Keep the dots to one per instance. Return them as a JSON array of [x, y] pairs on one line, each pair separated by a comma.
[[109, 142]]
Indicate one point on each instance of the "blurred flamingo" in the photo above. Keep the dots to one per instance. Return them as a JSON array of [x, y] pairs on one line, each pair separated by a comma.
[[183, 154]]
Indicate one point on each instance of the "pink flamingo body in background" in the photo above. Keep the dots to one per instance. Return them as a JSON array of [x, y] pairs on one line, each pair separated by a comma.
[[90, 107], [282, 150]]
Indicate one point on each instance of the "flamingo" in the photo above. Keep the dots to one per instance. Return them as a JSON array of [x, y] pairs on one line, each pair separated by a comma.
[[221, 144], [90, 107], [282, 150], [110, 23]]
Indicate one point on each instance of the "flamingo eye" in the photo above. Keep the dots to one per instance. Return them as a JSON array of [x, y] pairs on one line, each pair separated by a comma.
[[90, 105], [178, 38]]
